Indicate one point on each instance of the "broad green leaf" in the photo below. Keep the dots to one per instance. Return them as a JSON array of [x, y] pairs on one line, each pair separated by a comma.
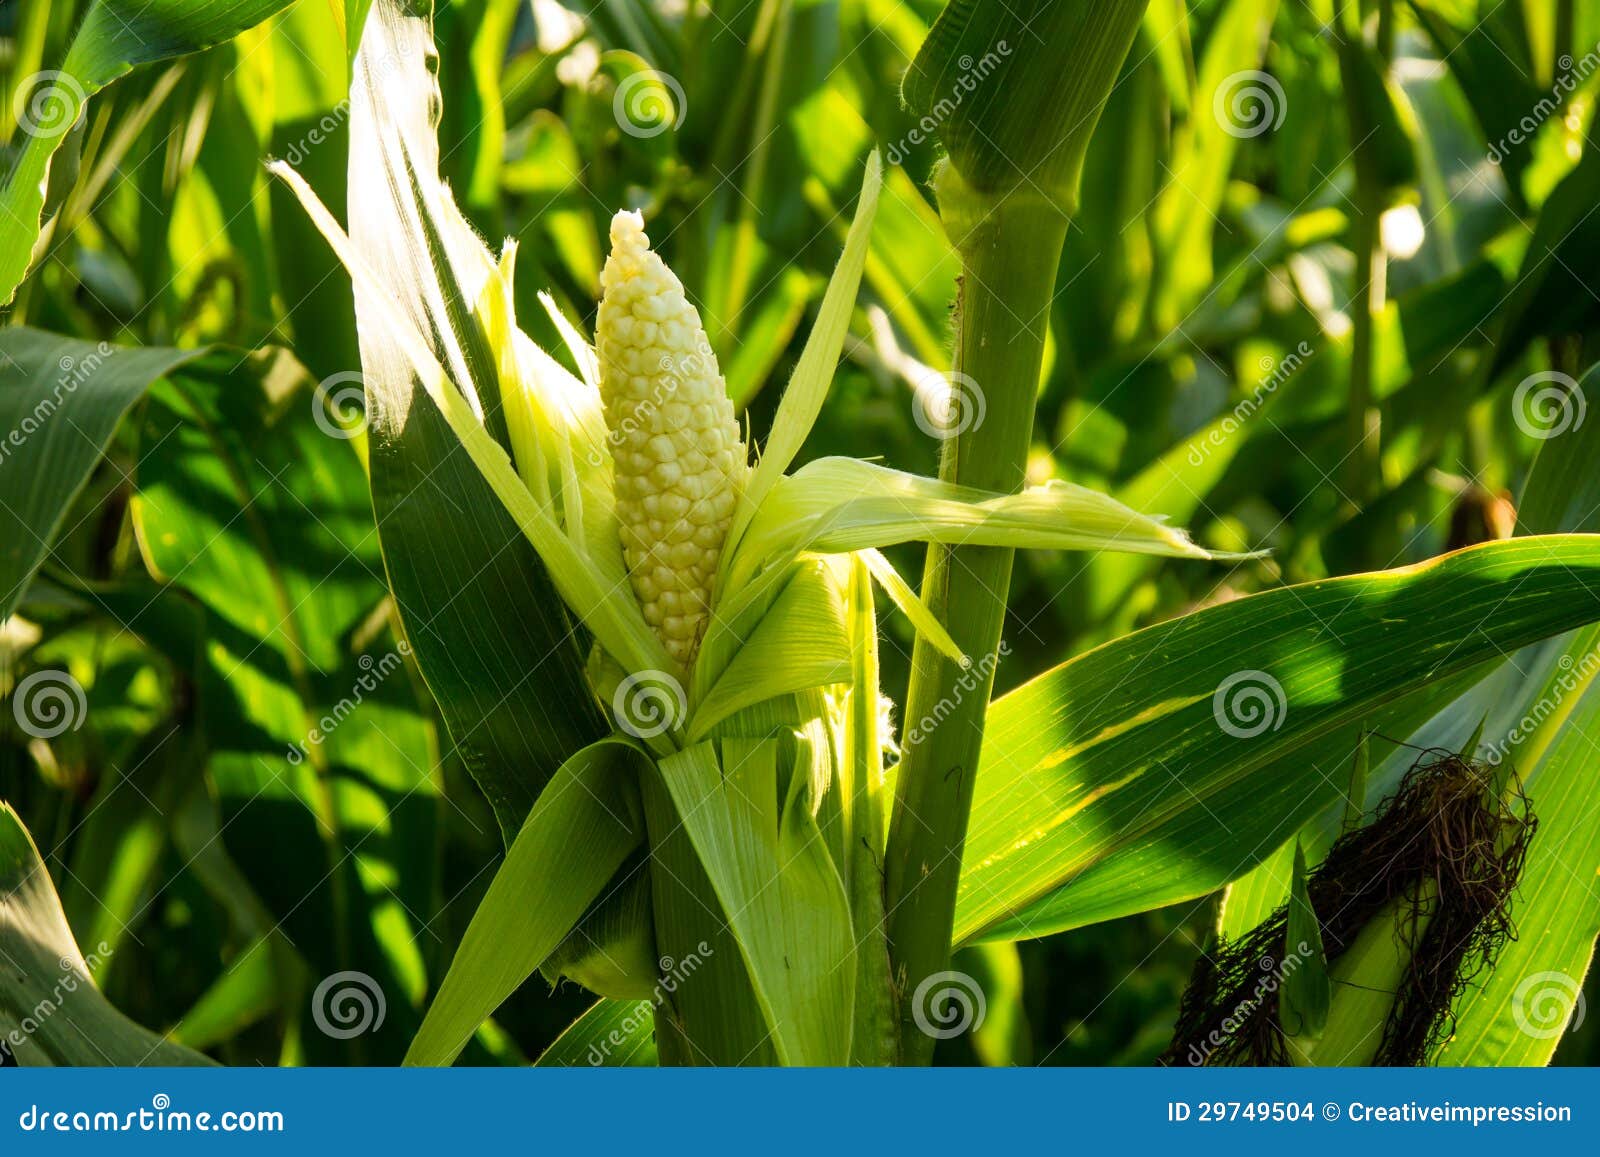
[[489, 631], [115, 36], [1138, 775], [51, 1013], [612, 1034], [1481, 47], [60, 402], [584, 825], [779, 889], [1537, 713]]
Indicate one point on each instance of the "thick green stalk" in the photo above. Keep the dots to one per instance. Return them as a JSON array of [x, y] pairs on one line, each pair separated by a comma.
[[1010, 247]]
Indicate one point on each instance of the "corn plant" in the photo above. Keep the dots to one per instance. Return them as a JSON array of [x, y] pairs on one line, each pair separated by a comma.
[[596, 652]]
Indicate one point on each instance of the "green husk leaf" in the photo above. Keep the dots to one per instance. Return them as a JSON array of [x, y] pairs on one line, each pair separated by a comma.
[[1307, 992], [906, 601], [584, 825], [612, 1034], [779, 889], [472, 595], [835, 505], [802, 642], [612, 614], [813, 374]]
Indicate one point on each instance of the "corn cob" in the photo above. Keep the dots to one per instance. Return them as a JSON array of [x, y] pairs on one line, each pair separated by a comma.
[[680, 462]]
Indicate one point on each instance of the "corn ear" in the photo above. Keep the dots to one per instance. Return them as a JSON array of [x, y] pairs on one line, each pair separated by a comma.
[[680, 463]]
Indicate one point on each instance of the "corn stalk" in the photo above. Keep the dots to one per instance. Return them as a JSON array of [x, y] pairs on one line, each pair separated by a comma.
[[1015, 158]]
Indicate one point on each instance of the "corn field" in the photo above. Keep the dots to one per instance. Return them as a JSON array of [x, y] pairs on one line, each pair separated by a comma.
[[830, 533]]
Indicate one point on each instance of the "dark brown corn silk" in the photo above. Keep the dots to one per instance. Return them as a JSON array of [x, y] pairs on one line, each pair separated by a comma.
[[1445, 852]]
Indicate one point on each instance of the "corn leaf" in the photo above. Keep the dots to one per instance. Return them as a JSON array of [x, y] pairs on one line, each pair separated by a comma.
[[1536, 712], [1109, 785], [115, 36], [781, 894], [836, 505], [60, 402], [46, 996], [906, 601], [489, 631], [585, 824]]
